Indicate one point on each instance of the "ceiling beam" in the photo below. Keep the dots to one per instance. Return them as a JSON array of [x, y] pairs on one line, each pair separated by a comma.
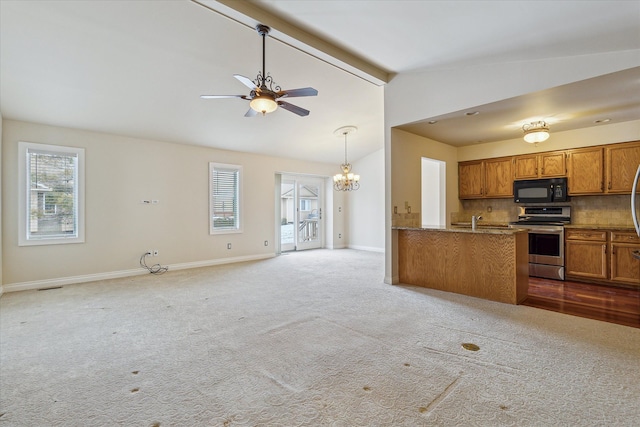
[[250, 14]]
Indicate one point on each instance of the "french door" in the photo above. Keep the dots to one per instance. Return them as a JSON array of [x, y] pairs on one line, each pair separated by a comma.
[[301, 204]]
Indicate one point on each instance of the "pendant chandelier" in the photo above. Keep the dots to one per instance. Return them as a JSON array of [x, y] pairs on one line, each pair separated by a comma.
[[346, 181]]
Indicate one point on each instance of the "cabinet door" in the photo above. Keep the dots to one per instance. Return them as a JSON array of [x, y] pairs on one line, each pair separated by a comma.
[[526, 167], [586, 259], [470, 184], [553, 164], [498, 177], [625, 268], [586, 171], [622, 162]]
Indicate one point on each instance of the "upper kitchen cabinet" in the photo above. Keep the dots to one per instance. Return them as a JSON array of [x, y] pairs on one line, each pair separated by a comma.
[[489, 178], [544, 165], [498, 177], [586, 171], [470, 182], [621, 163]]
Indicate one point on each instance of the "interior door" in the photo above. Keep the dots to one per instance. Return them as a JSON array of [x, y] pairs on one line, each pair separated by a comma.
[[301, 202]]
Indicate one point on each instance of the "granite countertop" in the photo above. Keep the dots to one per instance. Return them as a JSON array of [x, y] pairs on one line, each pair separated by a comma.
[[601, 227], [479, 230]]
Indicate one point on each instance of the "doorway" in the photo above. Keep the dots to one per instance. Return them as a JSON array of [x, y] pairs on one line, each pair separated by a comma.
[[301, 203], [433, 192]]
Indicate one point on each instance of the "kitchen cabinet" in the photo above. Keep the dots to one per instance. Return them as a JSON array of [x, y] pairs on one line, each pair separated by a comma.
[[602, 256], [624, 267], [498, 177], [489, 178], [586, 254], [586, 171], [470, 183], [603, 169], [544, 165], [621, 163]]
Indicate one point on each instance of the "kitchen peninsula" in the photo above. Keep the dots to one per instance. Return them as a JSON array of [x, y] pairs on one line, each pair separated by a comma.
[[486, 263]]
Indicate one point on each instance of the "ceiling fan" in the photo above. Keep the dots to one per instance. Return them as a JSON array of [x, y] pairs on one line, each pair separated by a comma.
[[265, 95]]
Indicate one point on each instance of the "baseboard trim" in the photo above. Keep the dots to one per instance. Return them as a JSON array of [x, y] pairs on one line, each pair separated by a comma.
[[366, 248], [71, 280]]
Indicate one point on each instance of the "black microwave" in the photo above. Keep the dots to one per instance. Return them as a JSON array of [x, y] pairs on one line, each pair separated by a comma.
[[540, 190]]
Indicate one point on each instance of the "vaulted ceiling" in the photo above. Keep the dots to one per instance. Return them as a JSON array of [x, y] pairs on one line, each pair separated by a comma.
[[138, 68]]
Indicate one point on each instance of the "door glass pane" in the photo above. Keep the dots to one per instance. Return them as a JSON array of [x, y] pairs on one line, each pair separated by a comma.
[[308, 213], [287, 211]]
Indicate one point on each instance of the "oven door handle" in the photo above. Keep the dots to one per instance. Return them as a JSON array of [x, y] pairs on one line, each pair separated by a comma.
[[544, 231]]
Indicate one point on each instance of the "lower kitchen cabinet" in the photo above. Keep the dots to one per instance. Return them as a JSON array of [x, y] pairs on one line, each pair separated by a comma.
[[586, 254], [602, 256], [624, 267]]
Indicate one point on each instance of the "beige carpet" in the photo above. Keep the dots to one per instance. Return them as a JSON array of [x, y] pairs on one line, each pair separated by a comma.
[[305, 339]]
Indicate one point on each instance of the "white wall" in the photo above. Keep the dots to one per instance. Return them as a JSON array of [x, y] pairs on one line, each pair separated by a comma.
[[417, 96], [1, 191], [366, 206], [121, 171]]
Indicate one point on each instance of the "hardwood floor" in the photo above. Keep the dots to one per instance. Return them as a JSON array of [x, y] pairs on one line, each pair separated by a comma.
[[606, 303]]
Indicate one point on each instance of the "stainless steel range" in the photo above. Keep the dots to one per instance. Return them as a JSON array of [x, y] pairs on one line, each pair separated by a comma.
[[546, 238]]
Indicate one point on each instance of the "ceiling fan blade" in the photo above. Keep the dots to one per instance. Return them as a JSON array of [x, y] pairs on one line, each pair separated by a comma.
[[291, 93], [293, 108], [251, 113], [222, 96], [246, 81]]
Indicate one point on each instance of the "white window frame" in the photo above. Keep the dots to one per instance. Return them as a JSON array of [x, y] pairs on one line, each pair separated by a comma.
[[238, 229], [24, 178]]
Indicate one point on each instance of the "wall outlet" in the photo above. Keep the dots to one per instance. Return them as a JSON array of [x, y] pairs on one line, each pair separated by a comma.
[[266, 243], [339, 235], [228, 245], [150, 252], [155, 252]]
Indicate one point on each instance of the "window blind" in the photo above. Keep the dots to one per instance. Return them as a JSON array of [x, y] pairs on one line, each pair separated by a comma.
[[224, 198], [52, 201]]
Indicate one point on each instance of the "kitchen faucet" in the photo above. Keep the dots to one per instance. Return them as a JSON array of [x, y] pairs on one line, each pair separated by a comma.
[[474, 220]]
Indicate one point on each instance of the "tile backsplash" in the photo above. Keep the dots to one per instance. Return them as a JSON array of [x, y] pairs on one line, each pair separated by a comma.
[[585, 210]]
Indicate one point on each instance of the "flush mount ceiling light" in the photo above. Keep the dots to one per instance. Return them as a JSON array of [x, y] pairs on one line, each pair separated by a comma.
[[345, 181], [535, 132]]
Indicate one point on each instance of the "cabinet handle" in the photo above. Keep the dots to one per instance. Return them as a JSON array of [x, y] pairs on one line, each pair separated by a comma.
[[609, 187], [601, 185]]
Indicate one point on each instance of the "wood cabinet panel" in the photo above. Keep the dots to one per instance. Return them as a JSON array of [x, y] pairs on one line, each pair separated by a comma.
[[498, 177], [586, 259], [592, 235], [526, 167], [586, 171], [602, 255], [621, 163], [543, 165], [483, 265], [470, 179], [553, 164], [625, 237], [625, 268]]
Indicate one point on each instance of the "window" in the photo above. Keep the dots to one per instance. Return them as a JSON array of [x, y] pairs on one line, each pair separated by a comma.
[[225, 193], [51, 200]]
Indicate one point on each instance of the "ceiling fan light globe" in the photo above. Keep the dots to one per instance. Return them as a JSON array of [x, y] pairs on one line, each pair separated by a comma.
[[263, 104]]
